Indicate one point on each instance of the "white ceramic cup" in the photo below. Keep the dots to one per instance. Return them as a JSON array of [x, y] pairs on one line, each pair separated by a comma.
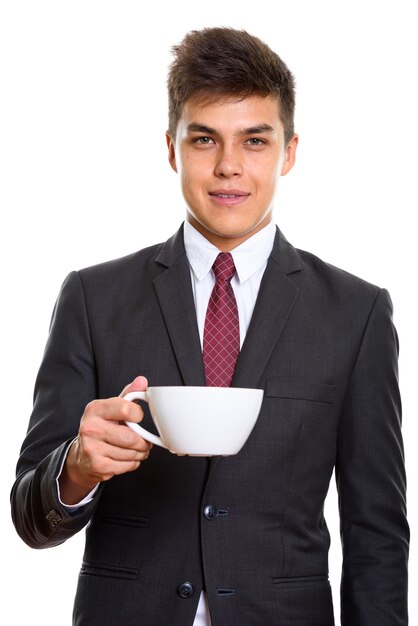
[[200, 421]]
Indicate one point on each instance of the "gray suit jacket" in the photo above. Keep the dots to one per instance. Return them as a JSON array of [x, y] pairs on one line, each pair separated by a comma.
[[249, 528]]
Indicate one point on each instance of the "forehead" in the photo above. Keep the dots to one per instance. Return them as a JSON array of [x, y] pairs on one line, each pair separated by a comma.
[[228, 113]]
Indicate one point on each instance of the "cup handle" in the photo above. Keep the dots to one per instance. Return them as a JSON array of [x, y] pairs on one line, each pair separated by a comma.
[[142, 395]]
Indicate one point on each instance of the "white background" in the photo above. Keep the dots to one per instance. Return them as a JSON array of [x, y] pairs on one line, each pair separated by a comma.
[[84, 178]]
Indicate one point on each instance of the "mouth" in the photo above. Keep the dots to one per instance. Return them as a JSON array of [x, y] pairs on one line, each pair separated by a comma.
[[228, 197]]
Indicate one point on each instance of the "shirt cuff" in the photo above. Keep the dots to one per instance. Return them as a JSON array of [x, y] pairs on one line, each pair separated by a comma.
[[88, 498]]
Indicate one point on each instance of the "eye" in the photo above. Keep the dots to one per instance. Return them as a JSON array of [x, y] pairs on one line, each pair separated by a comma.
[[255, 141], [203, 141]]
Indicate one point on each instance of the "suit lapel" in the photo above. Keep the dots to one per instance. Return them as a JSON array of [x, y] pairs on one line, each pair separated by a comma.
[[174, 292], [275, 301], [276, 298]]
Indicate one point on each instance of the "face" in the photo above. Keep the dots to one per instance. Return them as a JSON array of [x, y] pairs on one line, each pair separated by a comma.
[[229, 155]]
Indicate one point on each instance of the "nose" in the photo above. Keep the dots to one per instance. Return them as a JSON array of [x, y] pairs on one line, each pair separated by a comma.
[[228, 164]]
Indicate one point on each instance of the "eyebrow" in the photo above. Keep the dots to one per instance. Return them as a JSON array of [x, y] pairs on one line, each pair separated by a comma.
[[252, 130]]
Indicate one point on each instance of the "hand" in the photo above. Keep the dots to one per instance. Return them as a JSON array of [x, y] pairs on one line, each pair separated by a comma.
[[105, 446]]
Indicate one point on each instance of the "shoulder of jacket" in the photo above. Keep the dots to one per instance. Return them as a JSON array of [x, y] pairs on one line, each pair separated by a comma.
[[335, 276], [122, 265]]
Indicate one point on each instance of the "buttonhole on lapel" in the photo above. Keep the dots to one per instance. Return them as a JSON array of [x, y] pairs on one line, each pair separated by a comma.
[[225, 592]]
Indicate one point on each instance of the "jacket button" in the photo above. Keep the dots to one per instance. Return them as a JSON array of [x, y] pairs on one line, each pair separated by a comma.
[[53, 518], [185, 590], [210, 511]]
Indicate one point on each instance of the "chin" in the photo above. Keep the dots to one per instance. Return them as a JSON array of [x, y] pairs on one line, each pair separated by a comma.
[[232, 233]]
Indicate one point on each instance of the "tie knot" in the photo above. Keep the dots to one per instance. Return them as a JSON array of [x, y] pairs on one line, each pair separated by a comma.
[[224, 267]]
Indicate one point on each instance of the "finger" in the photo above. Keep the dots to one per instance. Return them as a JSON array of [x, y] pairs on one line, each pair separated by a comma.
[[97, 429], [100, 460], [105, 468], [113, 409], [123, 437], [116, 453], [140, 383]]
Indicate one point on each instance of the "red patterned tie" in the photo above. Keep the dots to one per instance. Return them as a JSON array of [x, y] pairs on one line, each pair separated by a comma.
[[221, 334]]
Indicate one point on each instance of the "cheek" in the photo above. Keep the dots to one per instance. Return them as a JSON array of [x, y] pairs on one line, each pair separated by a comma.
[[191, 177], [265, 180], [191, 190], [270, 177]]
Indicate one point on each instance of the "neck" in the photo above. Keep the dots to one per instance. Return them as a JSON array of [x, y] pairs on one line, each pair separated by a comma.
[[227, 242]]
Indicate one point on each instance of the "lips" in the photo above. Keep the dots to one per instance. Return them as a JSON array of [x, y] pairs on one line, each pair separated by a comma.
[[228, 193], [228, 197]]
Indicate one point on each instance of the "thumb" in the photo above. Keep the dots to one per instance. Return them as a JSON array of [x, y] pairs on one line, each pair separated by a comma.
[[140, 383]]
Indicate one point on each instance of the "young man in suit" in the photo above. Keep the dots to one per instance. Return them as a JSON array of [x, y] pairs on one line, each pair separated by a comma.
[[238, 540]]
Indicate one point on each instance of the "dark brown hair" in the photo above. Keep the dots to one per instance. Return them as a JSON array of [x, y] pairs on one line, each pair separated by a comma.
[[224, 62]]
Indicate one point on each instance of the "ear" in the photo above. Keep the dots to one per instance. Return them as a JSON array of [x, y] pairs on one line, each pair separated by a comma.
[[171, 151], [290, 155]]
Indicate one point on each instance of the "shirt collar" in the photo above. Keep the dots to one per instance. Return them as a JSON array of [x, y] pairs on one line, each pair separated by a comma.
[[249, 257]]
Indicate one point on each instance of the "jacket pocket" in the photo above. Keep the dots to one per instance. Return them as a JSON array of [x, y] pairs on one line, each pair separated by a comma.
[[133, 521], [290, 582], [108, 571], [301, 390]]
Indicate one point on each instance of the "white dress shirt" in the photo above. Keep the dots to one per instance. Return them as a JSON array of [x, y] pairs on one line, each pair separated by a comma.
[[250, 259]]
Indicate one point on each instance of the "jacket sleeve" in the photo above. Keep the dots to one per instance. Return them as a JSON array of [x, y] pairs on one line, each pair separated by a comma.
[[66, 382], [370, 474]]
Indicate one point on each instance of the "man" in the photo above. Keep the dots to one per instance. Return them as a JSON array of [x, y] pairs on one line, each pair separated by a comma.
[[239, 540]]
